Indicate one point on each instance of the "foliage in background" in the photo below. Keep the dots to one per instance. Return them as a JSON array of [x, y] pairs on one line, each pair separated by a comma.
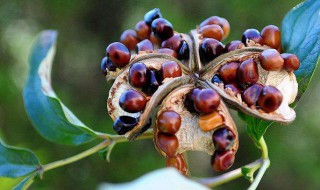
[[77, 69]]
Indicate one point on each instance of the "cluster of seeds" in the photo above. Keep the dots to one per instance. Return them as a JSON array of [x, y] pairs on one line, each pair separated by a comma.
[[149, 34], [206, 102], [234, 70]]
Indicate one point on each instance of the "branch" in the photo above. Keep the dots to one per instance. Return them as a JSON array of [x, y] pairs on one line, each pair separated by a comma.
[[109, 139]]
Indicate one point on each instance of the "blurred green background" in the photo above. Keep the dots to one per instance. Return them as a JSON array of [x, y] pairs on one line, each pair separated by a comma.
[[85, 29]]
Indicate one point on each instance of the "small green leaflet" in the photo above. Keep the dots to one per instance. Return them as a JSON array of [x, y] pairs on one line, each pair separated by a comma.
[[51, 118], [16, 162], [300, 36]]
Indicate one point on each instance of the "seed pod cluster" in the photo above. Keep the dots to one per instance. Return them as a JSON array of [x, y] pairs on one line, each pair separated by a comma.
[[181, 85]]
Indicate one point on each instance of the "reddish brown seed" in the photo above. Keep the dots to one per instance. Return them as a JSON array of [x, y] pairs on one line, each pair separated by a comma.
[[270, 99], [222, 139], [173, 43], [143, 30], [129, 38], [291, 62], [119, 54], [168, 52], [252, 34], [154, 39], [251, 94], [138, 74], [233, 87], [144, 45], [178, 163], [210, 49], [162, 28], [228, 72], [167, 143], [271, 60], [248, 72], [170, 69], [153, 83], [211, 20], [221, 161], [212, 31], [225, 27], [132, 101], [192, 96], [169, 122], [207, 101], [271, 36], [234, 45]]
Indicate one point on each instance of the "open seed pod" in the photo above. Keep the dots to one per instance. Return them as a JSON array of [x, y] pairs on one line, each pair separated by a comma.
[[281, 79], [147, 98], [194, 131]]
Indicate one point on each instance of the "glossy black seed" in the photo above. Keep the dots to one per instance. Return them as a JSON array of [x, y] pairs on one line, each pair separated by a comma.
[[216, 79], [184, 51], [153, 82], [222, 139], [252, 34], [106, 64], [123, 124], [152, 15], [210, 49], [162, 29]]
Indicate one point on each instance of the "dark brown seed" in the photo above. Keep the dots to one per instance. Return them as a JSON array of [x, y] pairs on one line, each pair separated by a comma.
[[212, 31], [154, 39], [210, 49], [252, 93], [248, 72], [169, 122], [123, 124], [144, 45], [138, 74], [152, 15], [168, 143], [153, 83], [173, 43], [291, 62], [184, 51], [222, 161], [143, 30], [211, 20], [207, 101], [192, 96], [228, 72], [222, 139], [132, 101], [106, 65], [252, 34], [271, 36], [162, 28], [271, 60], [168, 52], [234, 45], [119, 54], [270, 99], [233, 87], [129, 38], [170, 69], [178, 163]]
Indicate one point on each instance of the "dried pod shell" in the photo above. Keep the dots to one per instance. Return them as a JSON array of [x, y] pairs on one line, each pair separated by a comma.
[[282, 80], [121, 84], [190, 136]]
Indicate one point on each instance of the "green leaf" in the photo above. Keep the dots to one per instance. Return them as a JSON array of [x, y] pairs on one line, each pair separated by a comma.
[[51, 118], [26, 182], [17, 162], [301, 36], [255, 127]]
